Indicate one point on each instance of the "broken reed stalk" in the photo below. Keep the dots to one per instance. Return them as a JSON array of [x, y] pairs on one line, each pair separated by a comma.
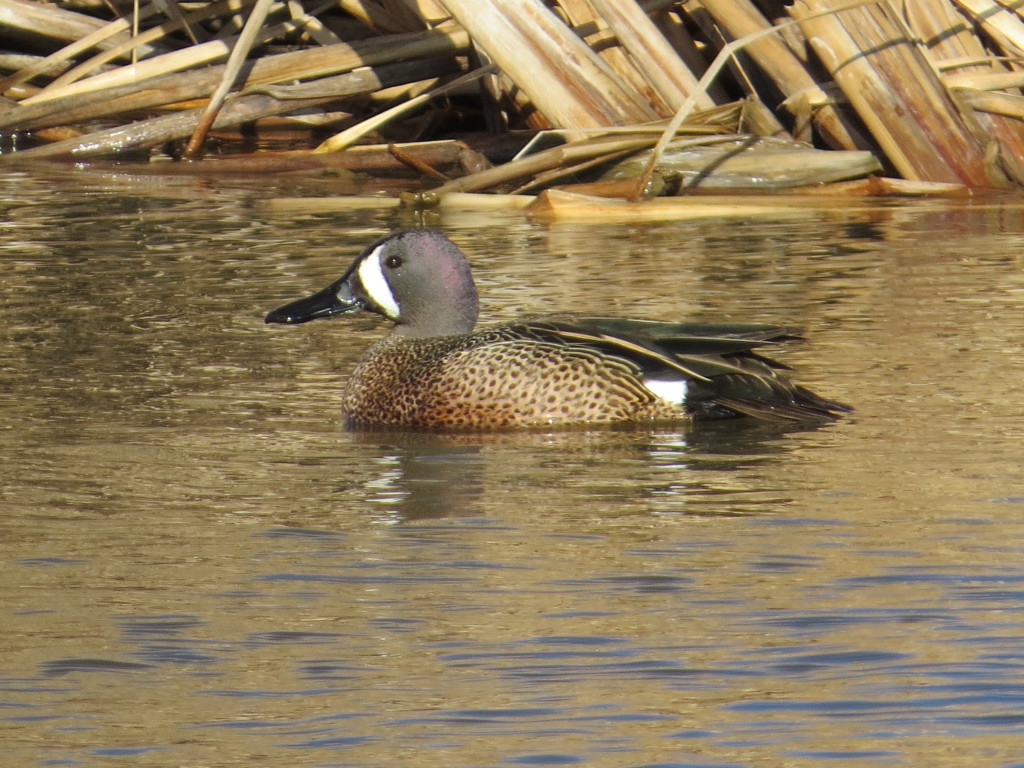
[[232, 69], [213, 10], [665, 60], [952, 47], [543, 161], [191, 57], [350, 136], [294, 65], [653, 54], [589, 26], [92, 40], [55, 23], [873, 57], [256, 103], [728, 50], [741, 19], [1004, 26], [885, 77], [557, 204], [897, 94], [562, 76], [994, 104]]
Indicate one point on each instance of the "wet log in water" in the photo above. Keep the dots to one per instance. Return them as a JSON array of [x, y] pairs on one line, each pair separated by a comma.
[[914, 83]]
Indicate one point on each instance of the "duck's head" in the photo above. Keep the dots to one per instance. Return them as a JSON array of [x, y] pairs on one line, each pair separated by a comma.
[[417, 278]]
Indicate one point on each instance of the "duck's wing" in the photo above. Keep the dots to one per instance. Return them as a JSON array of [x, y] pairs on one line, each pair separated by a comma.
[[725, 372]]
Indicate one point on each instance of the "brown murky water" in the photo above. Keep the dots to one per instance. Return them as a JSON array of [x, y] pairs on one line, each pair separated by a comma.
[[200, 567]]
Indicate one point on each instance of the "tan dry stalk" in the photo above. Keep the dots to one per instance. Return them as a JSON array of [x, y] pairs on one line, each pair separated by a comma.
[[651, 52], [351, 135], [295, 65], [468, 201], [232, 70], [411, 161], [719, 119], [544, 161], [242, 109], [293, 205], [897, 93], [55, 23], [192, 57], [1002, 25], [212, 10], [952, 46], [556, 204], [47, 63], [693, 55], [428, 10], [368, 159], [740, 19], [545, 178], [311, 25], [371, 14], [982, 81], [585, 22], [565, 79], [994, 104], [728, 50]]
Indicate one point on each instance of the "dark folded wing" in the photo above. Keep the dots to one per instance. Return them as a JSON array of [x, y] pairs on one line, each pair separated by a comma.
[[725, 372]]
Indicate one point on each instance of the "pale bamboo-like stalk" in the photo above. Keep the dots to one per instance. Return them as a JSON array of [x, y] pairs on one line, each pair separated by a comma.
[[429, 10], [155, 33], [985, 81], [651, 52], [270, 100], [563, 77], [370, 14], [994, 104], [595, 32], [1005, 27], [69, 51], [556, 204], [897, 93], [176, 87], [740, 19], [348, 137], [672, 26], [282, 67], [312, 25], [728, 50], [950, 44], [192, 57], [55, 23], [232, 70], [544, 161]]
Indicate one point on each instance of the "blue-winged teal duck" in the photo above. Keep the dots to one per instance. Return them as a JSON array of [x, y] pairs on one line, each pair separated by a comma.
[[434, 370]]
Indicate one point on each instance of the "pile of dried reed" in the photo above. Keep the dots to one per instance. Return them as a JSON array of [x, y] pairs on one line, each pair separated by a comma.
[[924, 90]]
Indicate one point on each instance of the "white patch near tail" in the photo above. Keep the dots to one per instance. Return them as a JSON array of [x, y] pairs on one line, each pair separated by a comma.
[[673, 390], [371, 275]]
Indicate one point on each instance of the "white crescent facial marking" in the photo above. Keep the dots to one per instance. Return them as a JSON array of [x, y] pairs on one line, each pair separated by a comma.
[[371, 275], [673, 391]]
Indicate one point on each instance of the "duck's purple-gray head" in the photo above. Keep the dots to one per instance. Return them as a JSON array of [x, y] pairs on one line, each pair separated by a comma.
[[416, 277]]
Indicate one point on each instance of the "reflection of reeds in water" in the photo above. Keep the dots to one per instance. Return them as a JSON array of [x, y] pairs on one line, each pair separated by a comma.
[[929, 86]]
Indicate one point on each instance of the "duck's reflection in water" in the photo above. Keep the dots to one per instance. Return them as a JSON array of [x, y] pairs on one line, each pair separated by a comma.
[[709, 469]]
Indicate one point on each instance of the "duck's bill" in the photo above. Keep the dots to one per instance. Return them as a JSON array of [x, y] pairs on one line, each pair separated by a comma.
[[335, 299]]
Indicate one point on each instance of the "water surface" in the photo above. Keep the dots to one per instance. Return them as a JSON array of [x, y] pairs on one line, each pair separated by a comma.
[[200, 566]]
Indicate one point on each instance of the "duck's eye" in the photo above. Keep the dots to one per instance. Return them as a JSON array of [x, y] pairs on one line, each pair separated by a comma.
[[393, 262]]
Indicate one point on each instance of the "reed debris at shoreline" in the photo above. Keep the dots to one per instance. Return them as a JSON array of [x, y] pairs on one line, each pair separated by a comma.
[[529, 95]]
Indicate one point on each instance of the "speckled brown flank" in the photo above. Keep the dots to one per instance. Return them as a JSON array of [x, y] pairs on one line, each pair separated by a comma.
[[486, 381]]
